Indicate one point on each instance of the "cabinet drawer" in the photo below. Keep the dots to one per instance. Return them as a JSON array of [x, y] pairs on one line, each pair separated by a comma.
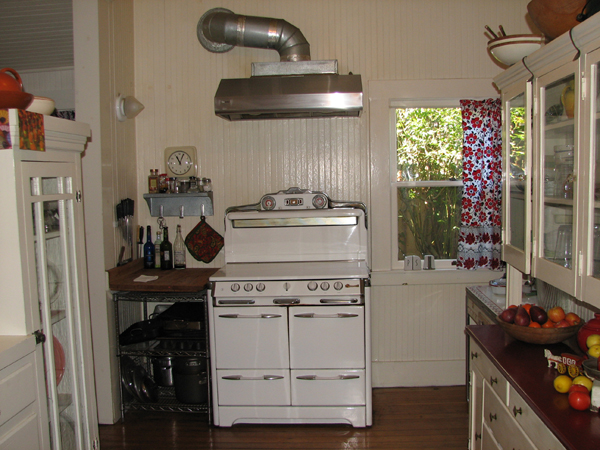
[[16, 387], [489, 372], [22, 435], [253, 387], [536, 430], [505, 429], [487, 440], [328, 387]]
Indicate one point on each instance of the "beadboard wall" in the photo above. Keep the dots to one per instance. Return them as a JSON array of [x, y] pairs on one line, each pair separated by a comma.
[[417, 328]]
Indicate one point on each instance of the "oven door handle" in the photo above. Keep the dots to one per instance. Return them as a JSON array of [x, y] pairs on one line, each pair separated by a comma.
[[236, 302], [337, 300], [337, 377], [264, 377], [325, 316], [250, 316]]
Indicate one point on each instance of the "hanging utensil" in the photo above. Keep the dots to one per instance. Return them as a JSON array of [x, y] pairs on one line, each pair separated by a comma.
[[502, 31]]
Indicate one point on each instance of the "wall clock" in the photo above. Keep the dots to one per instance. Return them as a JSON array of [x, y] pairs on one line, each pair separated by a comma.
[[181, 162]]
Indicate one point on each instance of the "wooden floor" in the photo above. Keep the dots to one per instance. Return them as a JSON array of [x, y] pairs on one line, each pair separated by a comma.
[[403, 418]]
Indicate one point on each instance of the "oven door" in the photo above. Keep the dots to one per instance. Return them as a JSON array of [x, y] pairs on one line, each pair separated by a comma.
[[249, 337], [327, 337]]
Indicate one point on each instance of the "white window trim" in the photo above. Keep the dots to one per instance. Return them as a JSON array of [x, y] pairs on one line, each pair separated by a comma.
[[384, 98]]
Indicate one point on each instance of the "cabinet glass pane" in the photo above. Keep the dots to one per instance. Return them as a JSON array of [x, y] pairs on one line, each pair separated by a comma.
[[52, 221], [518, 169], [558, 172]]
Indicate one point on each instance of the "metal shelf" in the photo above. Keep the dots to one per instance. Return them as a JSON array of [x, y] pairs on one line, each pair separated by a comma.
[[196, 204], [167, 403]]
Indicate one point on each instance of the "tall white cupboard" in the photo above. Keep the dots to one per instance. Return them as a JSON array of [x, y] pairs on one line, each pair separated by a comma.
[[47, 397]]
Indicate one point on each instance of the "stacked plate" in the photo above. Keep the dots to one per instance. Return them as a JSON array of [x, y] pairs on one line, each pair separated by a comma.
[[511, 49]]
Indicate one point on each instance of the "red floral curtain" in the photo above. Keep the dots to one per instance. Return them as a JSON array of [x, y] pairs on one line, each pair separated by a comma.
[[479, 238]]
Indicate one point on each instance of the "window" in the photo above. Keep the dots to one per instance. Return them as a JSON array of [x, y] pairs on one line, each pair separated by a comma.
[[428, 181], [403, 193]]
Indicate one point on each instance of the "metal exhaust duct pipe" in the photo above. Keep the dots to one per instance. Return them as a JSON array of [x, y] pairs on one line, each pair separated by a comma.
[[219, 30], [295, 87]]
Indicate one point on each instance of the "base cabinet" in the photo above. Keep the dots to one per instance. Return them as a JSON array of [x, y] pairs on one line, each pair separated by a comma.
[[499, 417]]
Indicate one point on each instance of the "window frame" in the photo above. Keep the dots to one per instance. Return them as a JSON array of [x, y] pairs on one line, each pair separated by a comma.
[[384, 98], [394, 184]]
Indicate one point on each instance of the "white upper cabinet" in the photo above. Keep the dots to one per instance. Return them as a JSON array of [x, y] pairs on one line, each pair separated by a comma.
[[551, 197]]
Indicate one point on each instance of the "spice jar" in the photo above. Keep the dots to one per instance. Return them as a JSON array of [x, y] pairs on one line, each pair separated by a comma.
[[153, 181], [206, 185], [163, 183]]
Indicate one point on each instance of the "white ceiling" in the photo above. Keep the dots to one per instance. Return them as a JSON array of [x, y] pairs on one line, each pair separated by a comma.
[[36, 34]]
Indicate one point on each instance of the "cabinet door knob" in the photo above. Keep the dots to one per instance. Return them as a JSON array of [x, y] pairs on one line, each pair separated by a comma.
[[493, 417], [477, 436], [493, 380], [474, 355], [516, 411]]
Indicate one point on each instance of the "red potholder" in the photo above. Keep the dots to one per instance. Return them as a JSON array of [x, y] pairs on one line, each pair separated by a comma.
[[203, 242]]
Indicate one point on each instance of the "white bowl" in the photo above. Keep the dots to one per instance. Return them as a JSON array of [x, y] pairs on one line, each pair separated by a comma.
[[516, 38], [509, 52], [41, 105]]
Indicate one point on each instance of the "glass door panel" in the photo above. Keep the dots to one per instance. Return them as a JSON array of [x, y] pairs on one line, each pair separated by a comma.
[[559, 177], [517, 179], [52, 224]]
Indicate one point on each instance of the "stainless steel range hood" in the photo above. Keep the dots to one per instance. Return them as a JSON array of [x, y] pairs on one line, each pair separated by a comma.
[[295, 87]]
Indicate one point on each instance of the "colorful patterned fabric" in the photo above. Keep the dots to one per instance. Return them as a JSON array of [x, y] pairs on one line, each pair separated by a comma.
[[203, 242], [479, 243]]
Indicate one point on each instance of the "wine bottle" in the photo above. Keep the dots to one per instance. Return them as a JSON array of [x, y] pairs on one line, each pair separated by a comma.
[[148, 250], [179, 250], [166, 251], [157, 249]]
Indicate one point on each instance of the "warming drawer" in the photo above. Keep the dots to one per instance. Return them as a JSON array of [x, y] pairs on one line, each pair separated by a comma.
[[253, 387], [328, 387], [251, 337], [327, 337]]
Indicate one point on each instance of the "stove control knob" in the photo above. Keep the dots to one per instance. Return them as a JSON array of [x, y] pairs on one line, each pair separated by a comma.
[[319, 201], [312, 286], [248, 287], [235, 287], [260, 287], [338, 285], [325, 285]]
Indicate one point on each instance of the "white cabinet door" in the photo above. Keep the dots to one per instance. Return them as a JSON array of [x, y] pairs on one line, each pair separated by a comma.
[[251, 337], [517, 179], [556, 232]]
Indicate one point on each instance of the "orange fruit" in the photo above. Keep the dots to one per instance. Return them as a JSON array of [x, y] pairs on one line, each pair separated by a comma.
[[534, 325], [548, 324]]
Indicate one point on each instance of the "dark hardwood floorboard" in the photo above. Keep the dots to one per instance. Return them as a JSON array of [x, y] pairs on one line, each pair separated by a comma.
[[403, 418]]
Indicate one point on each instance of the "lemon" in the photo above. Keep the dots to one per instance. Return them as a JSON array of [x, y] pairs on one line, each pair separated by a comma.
[[592, 339], [594, 351], [562, 383], [584, 381]]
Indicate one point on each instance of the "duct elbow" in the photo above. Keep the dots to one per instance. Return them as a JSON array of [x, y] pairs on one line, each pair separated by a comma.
[[219, 30]]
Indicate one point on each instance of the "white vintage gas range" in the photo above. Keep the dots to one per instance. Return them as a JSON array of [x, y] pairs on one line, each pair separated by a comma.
[[289, 313]]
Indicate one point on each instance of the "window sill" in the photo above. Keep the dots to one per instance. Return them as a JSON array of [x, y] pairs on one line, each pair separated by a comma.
[[437, 276]]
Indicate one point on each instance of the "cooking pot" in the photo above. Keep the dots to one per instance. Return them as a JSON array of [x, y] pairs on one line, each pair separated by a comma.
[[11, 90]]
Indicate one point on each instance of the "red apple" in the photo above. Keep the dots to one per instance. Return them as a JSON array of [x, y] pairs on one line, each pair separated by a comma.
[[563, 324], [573, 319]]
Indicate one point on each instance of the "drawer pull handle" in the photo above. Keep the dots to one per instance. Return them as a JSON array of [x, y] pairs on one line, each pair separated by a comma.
[[325, 316], [493, 380], [250, 316], [286, 301], [236, 302], [329, 300], [337, 377], [517, 411], [493, 417], [264, 377], [477, 436], [474, 355]]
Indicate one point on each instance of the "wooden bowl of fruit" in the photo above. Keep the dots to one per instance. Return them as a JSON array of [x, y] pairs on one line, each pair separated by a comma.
[[532, 324]]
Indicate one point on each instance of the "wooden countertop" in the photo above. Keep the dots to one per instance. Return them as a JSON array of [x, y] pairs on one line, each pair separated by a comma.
[[184, 280], [526, 369]]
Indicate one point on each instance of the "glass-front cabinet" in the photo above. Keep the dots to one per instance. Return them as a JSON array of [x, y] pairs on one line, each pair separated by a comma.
[[557, 175], [517, 178], [561, 160], [44, 276]]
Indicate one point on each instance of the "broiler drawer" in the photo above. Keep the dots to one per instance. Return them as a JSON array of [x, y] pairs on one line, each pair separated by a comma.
[[269, 387], [328, 387]]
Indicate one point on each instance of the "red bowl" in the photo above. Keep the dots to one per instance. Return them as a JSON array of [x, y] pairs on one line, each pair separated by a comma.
[[15, 99]]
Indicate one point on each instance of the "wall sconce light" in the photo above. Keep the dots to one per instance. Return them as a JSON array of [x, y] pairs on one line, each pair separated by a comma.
[[127, 107]]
